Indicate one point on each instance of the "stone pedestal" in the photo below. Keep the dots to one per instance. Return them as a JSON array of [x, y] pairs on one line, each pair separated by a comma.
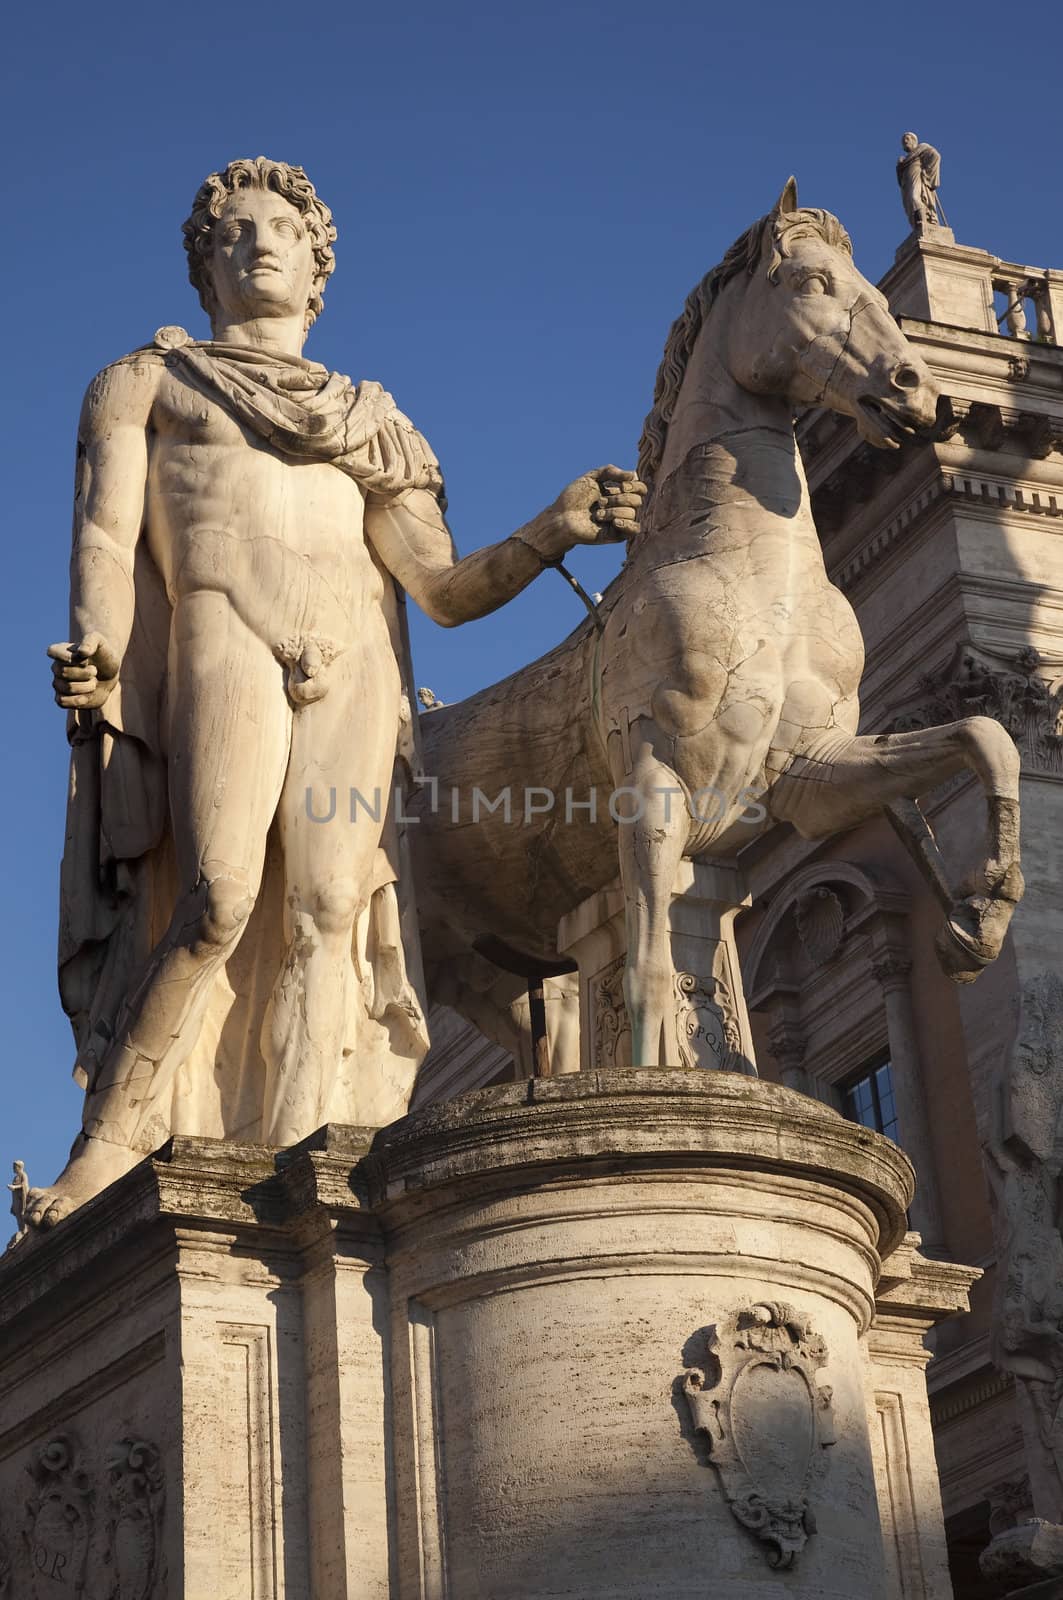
[[937, 280], [630, 1318], [606, 1335], [711, 1021], [193, 1386]]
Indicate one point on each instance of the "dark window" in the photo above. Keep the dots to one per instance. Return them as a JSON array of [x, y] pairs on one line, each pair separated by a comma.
[[868, 1099]]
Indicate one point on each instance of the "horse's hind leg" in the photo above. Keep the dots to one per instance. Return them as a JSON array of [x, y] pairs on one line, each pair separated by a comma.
[[840, 780], [651, 847]]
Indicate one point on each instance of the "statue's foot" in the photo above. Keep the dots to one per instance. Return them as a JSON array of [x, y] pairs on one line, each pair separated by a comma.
[[93, 1164]]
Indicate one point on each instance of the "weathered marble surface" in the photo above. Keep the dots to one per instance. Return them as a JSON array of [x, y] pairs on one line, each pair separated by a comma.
[[716, 688], [1028, 1559], [232, 963], [665, 1204], [450, 1359], [1025, 1164], [707, 1020]]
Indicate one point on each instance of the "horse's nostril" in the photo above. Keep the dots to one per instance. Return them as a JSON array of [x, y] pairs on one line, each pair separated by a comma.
[[906, 378]]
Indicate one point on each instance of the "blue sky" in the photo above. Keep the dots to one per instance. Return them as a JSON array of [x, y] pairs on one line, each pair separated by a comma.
[[523, 201]]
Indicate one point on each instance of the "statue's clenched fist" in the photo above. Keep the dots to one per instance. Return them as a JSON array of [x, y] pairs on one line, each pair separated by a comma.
[[84, 674], [602, 507]]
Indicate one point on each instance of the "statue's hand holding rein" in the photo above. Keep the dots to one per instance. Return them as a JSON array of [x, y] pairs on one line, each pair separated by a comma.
[[602, 507], [84, 674]]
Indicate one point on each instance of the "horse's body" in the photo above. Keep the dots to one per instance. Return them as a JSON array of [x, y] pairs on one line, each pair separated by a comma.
[[724, 666]]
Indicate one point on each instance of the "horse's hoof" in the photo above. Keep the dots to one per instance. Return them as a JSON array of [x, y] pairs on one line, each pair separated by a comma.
[[958, 954]]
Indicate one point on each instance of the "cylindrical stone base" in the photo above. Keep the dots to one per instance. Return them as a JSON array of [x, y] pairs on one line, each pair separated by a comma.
[[627, 1340]]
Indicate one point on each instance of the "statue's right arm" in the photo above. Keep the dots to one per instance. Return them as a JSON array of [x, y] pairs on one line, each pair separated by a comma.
[[109, 500]]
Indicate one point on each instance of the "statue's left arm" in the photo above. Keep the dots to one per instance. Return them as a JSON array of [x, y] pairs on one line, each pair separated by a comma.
[[411, 537]]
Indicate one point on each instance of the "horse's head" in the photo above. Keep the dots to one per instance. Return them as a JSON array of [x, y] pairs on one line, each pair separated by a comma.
[[813, 330]]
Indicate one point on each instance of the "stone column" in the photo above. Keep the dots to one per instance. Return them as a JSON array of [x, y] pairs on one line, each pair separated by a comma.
[[913, 1294], [711, 1022], [787, 1045], [629, 1322]]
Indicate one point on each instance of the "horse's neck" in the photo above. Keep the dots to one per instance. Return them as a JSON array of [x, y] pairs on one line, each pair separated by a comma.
[[748, 468]]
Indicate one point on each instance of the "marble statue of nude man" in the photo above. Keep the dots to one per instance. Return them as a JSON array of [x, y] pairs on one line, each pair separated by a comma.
[[244, 523]]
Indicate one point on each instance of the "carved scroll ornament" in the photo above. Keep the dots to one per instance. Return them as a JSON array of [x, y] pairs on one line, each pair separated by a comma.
[[766, 1418], [59, 1517], [93, 1524], [707, 1026], [136, 1495]]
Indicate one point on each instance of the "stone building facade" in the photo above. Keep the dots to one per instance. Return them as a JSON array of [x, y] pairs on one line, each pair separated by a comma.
[[951, 554]]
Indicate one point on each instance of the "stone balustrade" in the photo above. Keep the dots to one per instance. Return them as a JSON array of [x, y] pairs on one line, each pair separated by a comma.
[[1027, 299], [937, 280]]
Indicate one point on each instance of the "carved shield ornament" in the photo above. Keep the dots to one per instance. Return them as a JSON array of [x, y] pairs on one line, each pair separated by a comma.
[[707, 1031], [766, 1420], [136, 1505], [59, 1520]]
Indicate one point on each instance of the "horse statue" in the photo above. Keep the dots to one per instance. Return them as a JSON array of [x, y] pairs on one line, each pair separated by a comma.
[[721, 661]]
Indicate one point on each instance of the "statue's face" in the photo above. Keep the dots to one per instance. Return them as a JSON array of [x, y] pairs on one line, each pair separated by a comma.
[[820, 335], [262, 261], [909, 141]]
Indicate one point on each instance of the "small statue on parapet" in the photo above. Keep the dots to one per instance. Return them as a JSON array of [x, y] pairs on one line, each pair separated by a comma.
[[20, 1193], [919, 175]]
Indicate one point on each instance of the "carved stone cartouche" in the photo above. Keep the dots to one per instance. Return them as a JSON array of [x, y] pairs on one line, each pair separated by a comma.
[[766, 1418]]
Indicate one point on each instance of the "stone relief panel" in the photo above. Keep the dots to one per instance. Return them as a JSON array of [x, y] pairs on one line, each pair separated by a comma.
[[1024, 1162], [708, 1032], [136, 1497], [766, 1419], [1010, 1503], [91, 1524], [612, 1029], [707, 1025], [1023, 690], [59, 1517]]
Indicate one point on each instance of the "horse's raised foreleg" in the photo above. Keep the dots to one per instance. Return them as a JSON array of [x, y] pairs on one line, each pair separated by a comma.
[[839, 780], [651, 845]]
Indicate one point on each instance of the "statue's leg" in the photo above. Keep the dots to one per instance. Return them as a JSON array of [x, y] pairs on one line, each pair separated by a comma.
[[228, 749], [650, 847], [343, 745], [837, 780]]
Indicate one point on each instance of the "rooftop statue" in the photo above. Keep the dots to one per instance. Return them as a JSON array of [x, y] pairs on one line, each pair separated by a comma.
[[919, 174], [20, 1190], [243, 519], [716, 687]]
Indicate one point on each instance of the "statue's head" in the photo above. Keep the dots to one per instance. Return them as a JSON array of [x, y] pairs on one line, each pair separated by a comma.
[[814, 331], [787, 315], [259, 242], [909, 141]]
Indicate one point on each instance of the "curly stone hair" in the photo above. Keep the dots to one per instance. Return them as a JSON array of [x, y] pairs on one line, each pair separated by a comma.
[[293, 185]]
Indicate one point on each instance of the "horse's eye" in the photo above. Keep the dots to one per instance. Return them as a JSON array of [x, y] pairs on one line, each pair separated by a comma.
[[815, 283]]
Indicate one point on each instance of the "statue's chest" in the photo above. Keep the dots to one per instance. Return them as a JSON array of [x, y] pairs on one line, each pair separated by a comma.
[[184, 415]]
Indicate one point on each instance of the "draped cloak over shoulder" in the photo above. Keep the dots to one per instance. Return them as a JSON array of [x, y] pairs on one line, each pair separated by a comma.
[[117, 884]]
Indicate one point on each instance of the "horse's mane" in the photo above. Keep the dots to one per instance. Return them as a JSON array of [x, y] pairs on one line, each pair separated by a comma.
[[782, 229]]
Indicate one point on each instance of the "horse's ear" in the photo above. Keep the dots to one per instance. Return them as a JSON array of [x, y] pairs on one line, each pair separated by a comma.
[[787, 201]]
